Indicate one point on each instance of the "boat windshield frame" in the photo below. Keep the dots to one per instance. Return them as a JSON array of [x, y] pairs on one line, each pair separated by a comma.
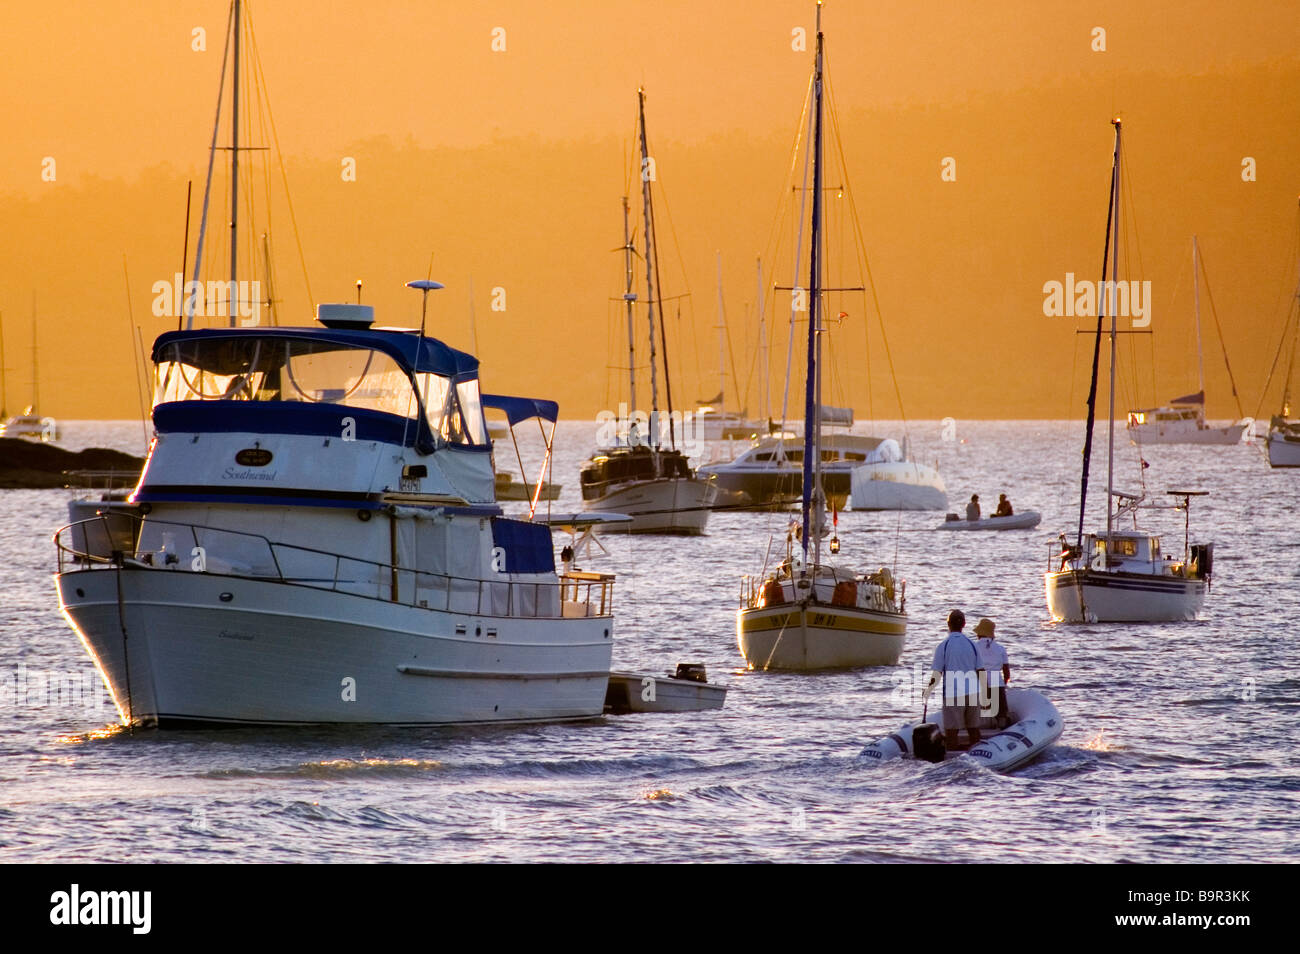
[[314, 370]]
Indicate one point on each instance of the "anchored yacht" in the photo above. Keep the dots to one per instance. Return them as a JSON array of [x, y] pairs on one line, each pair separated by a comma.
[[1121, 575], [315, 539]]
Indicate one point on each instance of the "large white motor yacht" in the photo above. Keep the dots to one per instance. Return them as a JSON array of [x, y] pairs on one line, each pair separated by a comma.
[[314, 539]]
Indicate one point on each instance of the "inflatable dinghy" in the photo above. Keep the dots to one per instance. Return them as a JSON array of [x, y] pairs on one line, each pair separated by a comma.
[[1025, 520], [1035, 726]]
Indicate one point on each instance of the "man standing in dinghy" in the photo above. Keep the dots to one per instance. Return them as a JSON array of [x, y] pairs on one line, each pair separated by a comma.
[[995, 672], [955, 665]]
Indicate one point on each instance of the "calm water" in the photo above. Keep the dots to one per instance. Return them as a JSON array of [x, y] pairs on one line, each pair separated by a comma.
[[1179, 741]]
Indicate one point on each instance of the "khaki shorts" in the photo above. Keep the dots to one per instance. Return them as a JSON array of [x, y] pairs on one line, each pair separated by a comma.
[[960, 717]]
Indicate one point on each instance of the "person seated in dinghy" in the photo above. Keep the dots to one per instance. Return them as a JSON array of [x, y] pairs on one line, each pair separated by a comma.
[[955, 665], [995, 673], [1004, 507], [973, 509]]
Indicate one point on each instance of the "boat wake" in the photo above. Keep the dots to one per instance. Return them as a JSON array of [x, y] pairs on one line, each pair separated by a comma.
[[335, 769]]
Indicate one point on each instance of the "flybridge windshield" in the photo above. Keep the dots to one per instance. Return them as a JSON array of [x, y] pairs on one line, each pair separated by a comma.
[[320, 372]]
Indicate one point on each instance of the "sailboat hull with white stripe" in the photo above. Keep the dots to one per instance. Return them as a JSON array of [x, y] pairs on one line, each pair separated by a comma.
[[1090, 596]]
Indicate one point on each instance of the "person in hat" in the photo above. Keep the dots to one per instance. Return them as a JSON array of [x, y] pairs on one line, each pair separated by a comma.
[[973, 508], [995, 672], [1004, 507], [955, 665]]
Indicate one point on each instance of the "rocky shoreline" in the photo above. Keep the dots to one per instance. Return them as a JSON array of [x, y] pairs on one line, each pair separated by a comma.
[[28, 465]]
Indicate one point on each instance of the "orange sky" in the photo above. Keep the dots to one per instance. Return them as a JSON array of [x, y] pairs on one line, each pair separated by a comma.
[[508, 168]]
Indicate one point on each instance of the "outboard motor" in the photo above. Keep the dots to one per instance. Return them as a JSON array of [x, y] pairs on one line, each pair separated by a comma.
[[693, 671], [1203, 561], [927, 742]]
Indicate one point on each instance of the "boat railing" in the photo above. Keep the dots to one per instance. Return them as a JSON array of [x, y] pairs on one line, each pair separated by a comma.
[[119, 539], [868, 591]]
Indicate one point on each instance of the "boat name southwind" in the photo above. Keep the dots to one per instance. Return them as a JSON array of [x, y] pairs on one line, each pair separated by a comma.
[[232, 474]]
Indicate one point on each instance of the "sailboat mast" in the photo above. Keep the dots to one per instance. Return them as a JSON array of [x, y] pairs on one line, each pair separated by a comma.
[[651, 297], [812, 464], [1112, 292], [234, 178], [629, 296], [1196, 297], [722, 344], [1096, 346], [36, 367], [765, 398], [4, 392]]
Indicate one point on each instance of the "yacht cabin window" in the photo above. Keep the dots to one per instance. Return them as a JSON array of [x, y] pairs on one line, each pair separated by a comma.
[[248, 368]]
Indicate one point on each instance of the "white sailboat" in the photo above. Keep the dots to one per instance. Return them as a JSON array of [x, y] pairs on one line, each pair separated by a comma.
[[30, 425], [1122, 575], [713, 422], [1284, 427], [892, 480], [809, 614], [1182, 421], [636, 475]]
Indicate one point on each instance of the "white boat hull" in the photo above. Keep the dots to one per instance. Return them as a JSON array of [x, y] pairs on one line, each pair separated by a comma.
[[643, 692], [796, 636], [667, 505], [1037, 726], [1093, 596], [1283, 452], [1024, 520], [900, 485], [1174, 434], [201, 648]]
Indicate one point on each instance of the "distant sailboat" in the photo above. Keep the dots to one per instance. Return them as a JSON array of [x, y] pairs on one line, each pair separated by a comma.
[[636, 475], [29, 425], [713, 422], [1183, 420], [1122, 575], [1284, 427]]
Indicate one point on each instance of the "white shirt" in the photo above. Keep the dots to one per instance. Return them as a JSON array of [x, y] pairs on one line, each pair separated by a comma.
[[992, 657], [956, 661]]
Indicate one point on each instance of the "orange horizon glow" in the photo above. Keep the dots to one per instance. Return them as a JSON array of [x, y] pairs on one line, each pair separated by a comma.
[[505, 167]]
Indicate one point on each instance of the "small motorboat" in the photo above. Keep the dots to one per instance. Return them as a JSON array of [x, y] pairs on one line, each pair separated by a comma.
[[1025, 520], [687, 690], [1035, 725]]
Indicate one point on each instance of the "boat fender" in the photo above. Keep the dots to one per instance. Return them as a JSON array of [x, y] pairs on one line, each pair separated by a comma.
[[773, 593], [927, 742]]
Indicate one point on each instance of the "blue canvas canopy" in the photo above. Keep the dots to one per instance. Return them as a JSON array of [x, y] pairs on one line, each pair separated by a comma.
[[521, 409], [411, 351]]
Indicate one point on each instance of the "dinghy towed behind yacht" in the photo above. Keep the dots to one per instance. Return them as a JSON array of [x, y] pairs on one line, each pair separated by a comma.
[[317, 542], [808, 614], [1122, 575]]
